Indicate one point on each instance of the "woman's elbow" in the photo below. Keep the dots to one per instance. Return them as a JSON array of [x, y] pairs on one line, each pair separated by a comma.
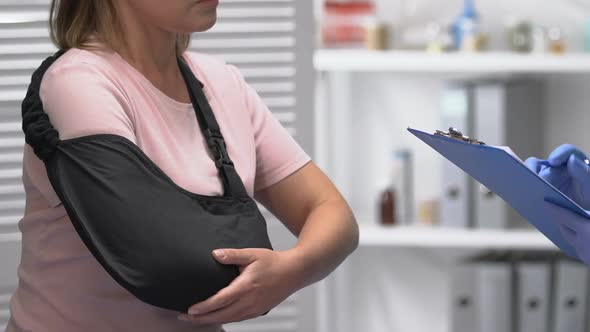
[[352, 229]]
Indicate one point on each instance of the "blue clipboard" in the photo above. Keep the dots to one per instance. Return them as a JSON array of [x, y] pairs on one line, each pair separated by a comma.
[[508, 178]]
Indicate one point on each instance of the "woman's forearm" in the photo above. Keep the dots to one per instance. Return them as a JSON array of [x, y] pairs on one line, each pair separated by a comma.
[[328, 236]]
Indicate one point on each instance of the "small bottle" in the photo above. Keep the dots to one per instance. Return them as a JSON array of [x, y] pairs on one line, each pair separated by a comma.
[[556, 41], [387, 207], [377, 36], [466, 28], [433, 35], [396, 201], [389, 199], [539, 40], [520, 36]]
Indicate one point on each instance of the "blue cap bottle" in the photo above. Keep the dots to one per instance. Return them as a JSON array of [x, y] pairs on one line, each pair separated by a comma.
[[466, 25]]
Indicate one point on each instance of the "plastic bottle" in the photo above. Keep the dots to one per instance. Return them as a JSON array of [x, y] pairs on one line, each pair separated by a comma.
[[466, 28]]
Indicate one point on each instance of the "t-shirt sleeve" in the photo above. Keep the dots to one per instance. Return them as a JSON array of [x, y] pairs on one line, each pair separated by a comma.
[[79, 100], [278, 154]]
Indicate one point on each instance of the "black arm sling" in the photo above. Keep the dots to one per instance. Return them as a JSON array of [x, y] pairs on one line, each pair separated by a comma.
[[153, 237]]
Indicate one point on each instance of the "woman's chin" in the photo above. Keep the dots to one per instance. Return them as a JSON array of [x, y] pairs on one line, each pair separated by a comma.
[[201, 24]]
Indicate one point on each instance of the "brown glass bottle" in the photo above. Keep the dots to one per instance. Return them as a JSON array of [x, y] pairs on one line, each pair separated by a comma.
[[387, 207]]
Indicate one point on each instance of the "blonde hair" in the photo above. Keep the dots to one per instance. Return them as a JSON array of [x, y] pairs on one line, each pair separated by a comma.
[[73, 22]]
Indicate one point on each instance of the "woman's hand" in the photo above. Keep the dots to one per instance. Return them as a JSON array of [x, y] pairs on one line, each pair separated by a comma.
[[266, 279]]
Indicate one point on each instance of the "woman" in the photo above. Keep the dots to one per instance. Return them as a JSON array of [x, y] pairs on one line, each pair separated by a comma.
[[120, 75], [567, 169]]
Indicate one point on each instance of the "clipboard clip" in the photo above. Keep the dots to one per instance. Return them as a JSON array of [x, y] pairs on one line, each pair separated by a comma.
[[455, 133]]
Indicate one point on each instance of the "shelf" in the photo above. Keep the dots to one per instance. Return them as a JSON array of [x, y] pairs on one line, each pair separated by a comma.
[[416, 62], [434, 237]]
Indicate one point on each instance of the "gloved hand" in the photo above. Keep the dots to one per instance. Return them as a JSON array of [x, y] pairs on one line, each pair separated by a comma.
[[566, 171], [575, 229]]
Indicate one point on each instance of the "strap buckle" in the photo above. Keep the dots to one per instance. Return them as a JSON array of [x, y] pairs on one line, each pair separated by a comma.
[[218, 148]]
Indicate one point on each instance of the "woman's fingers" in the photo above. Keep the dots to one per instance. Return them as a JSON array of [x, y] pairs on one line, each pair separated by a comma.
[[234, 312], [239, 257], [224, 297]]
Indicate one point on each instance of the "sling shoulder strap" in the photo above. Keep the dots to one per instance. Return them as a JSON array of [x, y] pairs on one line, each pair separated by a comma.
[[44, 138], [210, 128]]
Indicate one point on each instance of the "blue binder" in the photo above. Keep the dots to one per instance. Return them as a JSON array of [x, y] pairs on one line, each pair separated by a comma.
[[510, 179]]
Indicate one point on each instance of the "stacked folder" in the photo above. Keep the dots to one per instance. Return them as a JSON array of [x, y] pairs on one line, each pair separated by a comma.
[[500, 113], [520, 292]]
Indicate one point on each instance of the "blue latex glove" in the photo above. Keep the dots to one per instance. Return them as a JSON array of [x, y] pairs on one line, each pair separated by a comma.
[[575, 229], [566, 170]]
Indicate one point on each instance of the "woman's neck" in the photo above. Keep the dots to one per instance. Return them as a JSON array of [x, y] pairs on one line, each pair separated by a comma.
[[151, 50]]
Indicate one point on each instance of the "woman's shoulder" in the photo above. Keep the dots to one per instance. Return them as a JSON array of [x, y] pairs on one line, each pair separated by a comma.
[[99, 61], [213, 70], [80, 70]]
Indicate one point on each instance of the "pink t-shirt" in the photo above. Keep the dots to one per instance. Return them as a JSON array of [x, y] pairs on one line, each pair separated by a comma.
[[61, 285]]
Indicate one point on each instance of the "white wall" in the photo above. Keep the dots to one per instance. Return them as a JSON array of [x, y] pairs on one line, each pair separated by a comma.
[[568, 111]]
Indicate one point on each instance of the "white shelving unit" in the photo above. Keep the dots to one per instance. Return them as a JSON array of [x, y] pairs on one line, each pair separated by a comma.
[[407, 268], [416, 62], [452, 238]]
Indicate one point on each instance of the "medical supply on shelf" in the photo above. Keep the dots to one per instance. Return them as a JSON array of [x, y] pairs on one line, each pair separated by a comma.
[[434, 37], [466, 29], [387, 206], [377, 36], [396, 201], [345, 22], [556, 40], [520, 36], [429, 212], [539, 38]]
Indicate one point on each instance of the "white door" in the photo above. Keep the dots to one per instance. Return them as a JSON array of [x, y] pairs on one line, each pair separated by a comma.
[[271, 41]]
